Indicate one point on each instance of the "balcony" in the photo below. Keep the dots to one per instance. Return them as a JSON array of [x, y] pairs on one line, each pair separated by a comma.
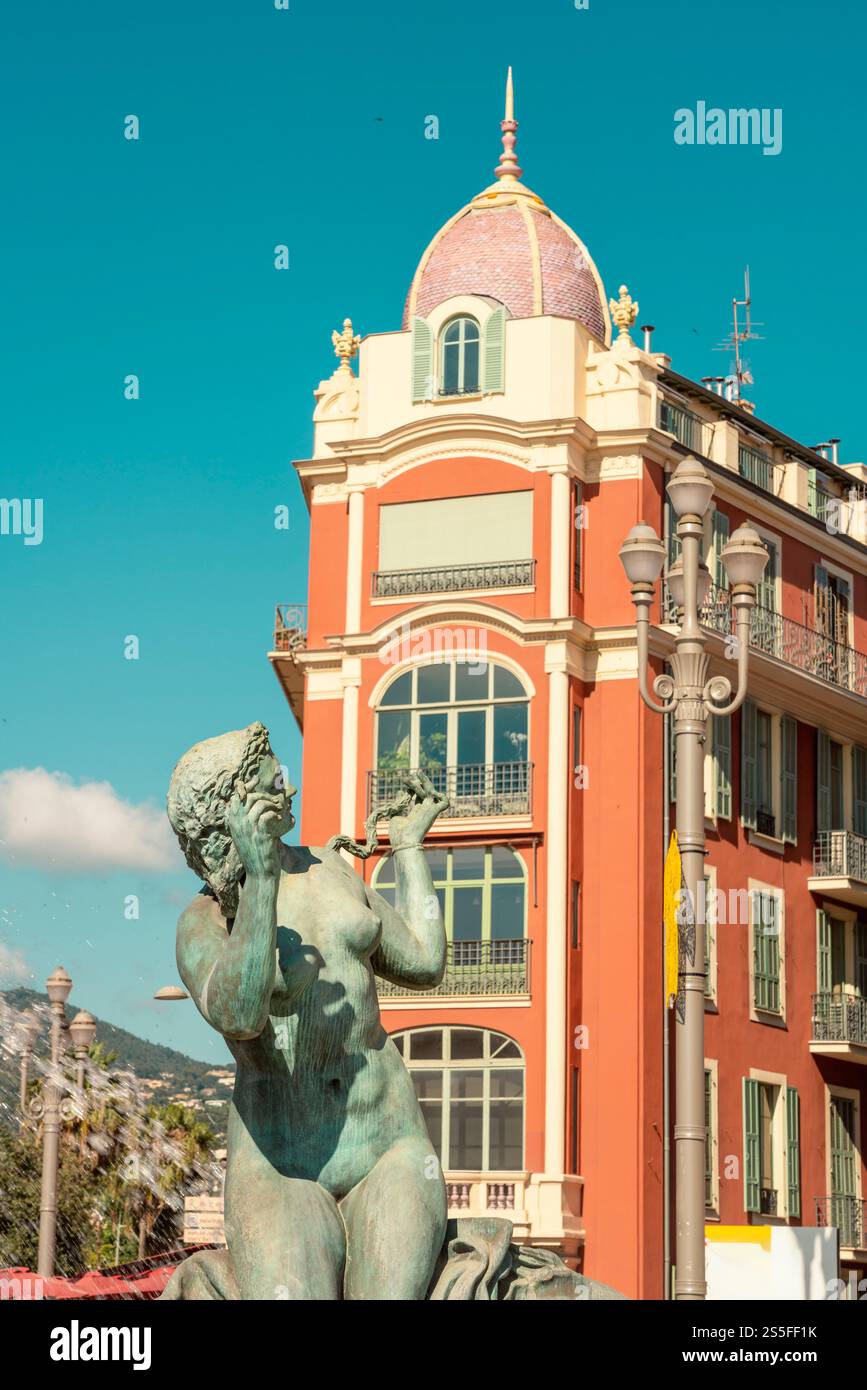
[[545, 1212], [848, 1215], [685, 425], [290, 627], [480, 968], [840, 866], [793, 643], [449, 579], [820, 500], [473, 789], [756, 468], [840, 1026]]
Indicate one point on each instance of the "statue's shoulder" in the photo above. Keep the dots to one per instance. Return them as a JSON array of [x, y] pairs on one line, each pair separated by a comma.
[[203, 913]]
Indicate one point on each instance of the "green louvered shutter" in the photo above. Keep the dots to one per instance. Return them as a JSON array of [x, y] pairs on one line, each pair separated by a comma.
[[494, 352], [752, 1162], [422, 360], [812, 499], [793, 1152], [823, 781], [719, 536], [789, 778], [721, 744], [859, 790], [766, 952], [748, 765], [823, 953]]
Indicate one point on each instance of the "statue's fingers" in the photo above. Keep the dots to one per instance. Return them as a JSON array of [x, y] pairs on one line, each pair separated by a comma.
[[413, 784]]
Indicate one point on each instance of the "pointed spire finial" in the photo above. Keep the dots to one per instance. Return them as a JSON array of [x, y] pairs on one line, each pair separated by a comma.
[[508, 167]]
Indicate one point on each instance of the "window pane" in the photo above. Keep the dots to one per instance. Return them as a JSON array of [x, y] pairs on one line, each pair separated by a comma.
[[465, 1138], [507, 1083], [506, 1134], [451, 365], [510, 733], [507, 911], [400, 691], [398, 1040], [428, 1084], [432, 740], [426, 1046], [385, 872], [466, 914], [471, 742], [468, 863], [471, 681], [504, 1047], [471, 365], [436, 862], [466, 1085], [433, 683], [393, 740], [432, 1111], [506, 686], [467, 1043], [505, 863], [453, 332]]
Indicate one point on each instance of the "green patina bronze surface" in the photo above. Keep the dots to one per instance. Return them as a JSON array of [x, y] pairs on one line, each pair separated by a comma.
[[333, 1190]]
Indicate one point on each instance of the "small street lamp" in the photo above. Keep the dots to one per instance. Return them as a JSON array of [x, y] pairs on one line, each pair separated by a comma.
[[51, 1106], [691, 696], [30, 1032]]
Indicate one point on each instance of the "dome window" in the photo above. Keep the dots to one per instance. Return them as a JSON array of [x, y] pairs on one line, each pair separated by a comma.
[[460, 358]]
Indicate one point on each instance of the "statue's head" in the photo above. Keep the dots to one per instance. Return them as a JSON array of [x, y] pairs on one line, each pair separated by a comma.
[[198, 800]]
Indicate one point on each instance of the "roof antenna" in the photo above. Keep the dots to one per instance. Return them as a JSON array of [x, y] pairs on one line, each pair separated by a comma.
[[741, 333]]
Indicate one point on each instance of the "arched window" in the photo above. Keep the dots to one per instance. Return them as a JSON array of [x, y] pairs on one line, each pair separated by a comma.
[[459, 364], [470, 1085], [482, 894], [467, 725]]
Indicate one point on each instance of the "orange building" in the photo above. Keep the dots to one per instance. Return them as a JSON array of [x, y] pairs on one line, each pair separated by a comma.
[[467, 613]]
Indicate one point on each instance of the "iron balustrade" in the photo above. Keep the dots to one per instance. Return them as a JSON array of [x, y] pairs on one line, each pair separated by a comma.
[[768, 1201], [819, 500], [840, 1017], [840, 854], [685, 425], [473, 789], [799, 646], [444, 579], [476, 968], [756, 468], [847, 1214], [290, 627]]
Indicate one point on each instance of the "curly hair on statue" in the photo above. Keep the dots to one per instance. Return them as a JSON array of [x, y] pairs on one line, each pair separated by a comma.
[[198, 800]]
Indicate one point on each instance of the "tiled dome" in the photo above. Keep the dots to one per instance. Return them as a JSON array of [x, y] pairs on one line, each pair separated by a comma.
[[507, 245]]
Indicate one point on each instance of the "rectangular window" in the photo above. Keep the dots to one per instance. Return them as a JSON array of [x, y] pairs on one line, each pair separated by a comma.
[[576, 914], [767, 1167], [837, 799]]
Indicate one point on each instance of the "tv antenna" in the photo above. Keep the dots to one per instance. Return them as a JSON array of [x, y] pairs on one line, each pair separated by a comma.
[[742, 332]]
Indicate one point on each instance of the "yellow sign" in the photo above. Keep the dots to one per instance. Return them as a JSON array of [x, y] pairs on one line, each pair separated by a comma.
[[672, 881]]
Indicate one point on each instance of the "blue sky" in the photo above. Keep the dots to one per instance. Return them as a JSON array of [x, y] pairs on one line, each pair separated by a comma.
[[155, 257]]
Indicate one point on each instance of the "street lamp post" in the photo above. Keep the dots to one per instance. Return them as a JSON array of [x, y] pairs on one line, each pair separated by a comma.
[[30, 1031], [58, 986], [690, 696]]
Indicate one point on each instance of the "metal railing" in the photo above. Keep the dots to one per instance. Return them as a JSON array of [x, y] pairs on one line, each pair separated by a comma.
[[756, 468], [290, 627], [840, 854], [840, 1017], [476, 968], [791, 642], [847, 1214], [473, 789], [444, 579], [819, 500], [685, 425]]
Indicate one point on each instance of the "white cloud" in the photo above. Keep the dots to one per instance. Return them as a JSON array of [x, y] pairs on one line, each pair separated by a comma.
[[48, 822], [13, 967]]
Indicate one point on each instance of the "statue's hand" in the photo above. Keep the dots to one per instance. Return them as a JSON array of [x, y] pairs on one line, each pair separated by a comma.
[[423, 803], [255, 822]]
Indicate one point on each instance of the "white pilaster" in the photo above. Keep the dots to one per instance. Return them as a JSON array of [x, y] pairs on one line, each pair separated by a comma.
[[561, 522], [556, 941], [349, 745], [354, 556]]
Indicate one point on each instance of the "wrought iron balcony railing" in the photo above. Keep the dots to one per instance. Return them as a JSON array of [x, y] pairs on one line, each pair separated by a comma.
[[840, 1017], [476, 968], [847, 1214], [768, 1201], [840, 854], [446, 579], [756, 468], [290, 627], [473, 789], [685, 425], [819, 500], [793, 643]]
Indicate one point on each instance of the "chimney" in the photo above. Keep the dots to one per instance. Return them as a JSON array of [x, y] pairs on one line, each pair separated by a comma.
[[648, 330]]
